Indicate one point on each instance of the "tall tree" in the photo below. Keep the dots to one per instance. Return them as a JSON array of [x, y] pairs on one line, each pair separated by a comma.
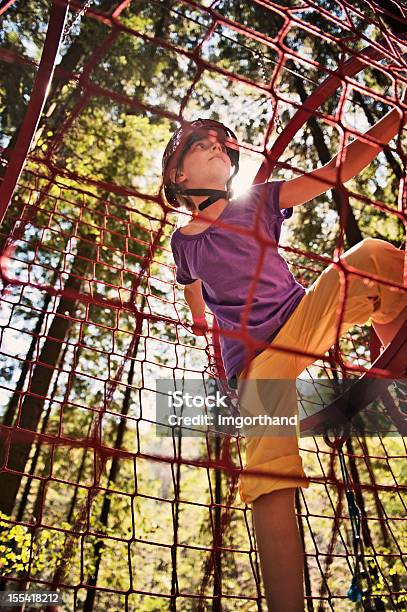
[[31, 409]]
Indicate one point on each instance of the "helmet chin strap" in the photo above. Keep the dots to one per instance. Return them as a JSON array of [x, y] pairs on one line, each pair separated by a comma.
[[214, 196]]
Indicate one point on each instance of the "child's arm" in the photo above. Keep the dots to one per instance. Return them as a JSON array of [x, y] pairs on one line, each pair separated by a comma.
[[195, 301], [357, 155]]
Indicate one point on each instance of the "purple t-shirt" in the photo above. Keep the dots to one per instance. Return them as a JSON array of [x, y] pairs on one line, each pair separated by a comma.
[[227, 262]]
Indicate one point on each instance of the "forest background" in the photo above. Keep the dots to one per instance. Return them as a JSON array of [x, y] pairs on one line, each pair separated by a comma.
[[93, 223]]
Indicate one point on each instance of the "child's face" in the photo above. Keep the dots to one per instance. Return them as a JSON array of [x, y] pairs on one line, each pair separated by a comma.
[[205, 164]]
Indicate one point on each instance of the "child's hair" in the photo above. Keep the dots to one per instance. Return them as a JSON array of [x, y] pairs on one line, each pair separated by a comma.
[[176, 148], [186, 203], [180, 200]]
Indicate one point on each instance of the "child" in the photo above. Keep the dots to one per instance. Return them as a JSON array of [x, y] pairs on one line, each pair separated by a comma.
[[227, 258]]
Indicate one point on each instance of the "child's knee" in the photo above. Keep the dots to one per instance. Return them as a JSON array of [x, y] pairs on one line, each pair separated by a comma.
[[381, 250], [379, 257], [373, 243], [372, 246]]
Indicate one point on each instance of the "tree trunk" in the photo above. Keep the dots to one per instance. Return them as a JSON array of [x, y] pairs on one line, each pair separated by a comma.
[[10, 413], [33, 403], [72, 505], [33, 465], [352, 231], [114, 470]]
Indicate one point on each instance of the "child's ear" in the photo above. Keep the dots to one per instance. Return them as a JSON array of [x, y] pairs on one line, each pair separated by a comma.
[[177, 176]]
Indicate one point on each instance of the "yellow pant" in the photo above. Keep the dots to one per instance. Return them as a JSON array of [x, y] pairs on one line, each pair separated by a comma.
[[312, 328]]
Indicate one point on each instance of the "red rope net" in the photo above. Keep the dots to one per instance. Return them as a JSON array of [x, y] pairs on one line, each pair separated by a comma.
[[93, 504]]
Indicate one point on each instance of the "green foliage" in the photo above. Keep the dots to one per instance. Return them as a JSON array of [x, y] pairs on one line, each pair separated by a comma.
[[22, 30], [23, 549]]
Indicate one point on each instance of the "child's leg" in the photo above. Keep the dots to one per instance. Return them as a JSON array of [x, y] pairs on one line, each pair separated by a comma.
[[313, 324], [280, 550], [311, 328], [275, 454], [388, 331]]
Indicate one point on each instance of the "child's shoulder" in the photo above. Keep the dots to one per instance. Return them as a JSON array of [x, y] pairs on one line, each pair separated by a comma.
[[258, 189], [266, 192], [266, 195]]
